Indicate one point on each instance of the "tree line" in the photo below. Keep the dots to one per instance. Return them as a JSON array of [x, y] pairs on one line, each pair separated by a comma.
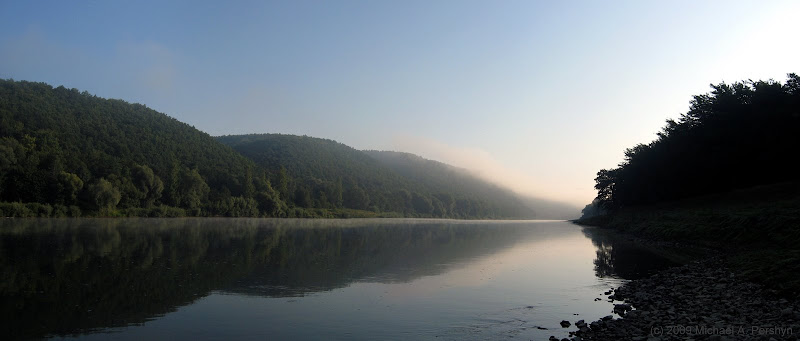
[[738, 135]]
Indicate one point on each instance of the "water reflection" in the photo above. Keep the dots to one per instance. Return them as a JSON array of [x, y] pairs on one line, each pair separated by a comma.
[[67, 277], [77, 276], [619, 256]]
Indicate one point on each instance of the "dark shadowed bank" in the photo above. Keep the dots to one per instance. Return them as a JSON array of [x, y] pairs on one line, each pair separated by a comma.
[[743, 286], [717, 178]]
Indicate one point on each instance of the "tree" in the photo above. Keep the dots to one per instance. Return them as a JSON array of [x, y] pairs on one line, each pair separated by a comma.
[[148, 183], [591, 210], [105, 195], [269, 204], [421, 204], [302, 197], [174, 197], [283, 183], [355, 197], [605, 183], [69, 185], [193, 191]]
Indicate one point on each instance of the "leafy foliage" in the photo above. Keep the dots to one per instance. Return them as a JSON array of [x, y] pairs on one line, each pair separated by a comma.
[[738, 135], [54, 141]]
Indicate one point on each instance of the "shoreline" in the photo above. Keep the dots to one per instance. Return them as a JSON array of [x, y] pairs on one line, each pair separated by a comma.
[[701, 300]]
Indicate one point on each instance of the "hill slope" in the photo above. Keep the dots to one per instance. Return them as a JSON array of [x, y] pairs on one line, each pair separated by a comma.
[[67, 153], [380, 181], [65, 148], [443, 176]]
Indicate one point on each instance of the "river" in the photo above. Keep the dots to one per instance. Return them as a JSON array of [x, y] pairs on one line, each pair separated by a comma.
[[281, 279]]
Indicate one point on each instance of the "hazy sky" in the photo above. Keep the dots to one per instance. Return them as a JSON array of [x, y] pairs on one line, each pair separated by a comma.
[[538, 94]]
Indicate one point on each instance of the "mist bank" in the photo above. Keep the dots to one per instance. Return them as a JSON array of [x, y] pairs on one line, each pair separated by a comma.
[[484, 165]]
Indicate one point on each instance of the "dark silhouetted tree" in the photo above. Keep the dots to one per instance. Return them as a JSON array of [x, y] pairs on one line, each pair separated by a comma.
[[736, 136]]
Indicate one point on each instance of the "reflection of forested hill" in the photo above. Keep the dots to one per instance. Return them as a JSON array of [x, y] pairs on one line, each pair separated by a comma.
[[325, 258], [64, 276], [71, 276]]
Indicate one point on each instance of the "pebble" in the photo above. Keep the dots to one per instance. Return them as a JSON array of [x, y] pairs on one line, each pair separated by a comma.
[[697, 301]]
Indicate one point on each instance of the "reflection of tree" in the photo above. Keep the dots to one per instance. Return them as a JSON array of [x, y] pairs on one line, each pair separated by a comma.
[[74, 275], [604, 262], [619, 257]]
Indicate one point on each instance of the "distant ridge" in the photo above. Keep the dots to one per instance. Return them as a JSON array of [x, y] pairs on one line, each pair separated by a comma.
[[384, 181]]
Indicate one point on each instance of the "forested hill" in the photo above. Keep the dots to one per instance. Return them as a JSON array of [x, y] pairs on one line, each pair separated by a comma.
[[65, 152], [371, 180], [69, 153]]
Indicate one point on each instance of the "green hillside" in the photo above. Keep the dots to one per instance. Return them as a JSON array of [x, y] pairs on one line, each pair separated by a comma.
[[73, 152], [336, 175], [69, 153]]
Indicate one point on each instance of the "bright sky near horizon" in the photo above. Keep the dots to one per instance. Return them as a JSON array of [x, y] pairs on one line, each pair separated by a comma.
[[537, 95]]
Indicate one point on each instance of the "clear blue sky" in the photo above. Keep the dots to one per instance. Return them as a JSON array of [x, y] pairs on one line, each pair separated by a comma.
[[537, 94]]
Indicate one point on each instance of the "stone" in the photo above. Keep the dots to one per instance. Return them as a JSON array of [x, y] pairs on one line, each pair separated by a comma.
[[565, 324]]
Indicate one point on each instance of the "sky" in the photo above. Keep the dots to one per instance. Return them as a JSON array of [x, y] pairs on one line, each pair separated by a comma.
[[534, 95]]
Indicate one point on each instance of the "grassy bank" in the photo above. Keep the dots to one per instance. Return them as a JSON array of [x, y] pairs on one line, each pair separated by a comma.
[[759, 229]]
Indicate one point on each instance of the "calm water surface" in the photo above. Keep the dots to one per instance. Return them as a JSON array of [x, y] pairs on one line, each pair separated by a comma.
[[278, 279]]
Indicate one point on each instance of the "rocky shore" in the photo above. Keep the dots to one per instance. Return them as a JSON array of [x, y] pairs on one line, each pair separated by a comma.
[[702, 300]]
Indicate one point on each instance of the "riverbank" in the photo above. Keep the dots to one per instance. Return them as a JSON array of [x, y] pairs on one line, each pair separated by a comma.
[[746, 288], [703, 300], [759, 229]]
